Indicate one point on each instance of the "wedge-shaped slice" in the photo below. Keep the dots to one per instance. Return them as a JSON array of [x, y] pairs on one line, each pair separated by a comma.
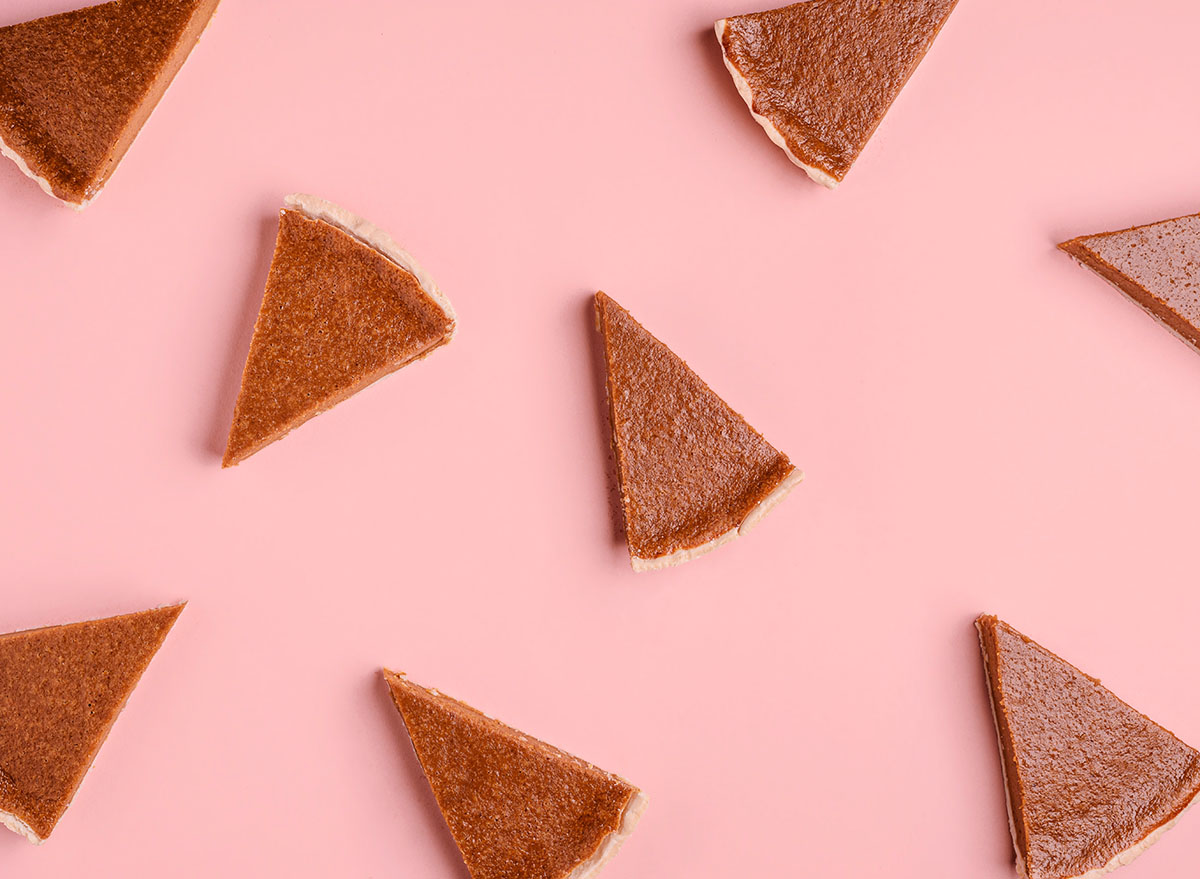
[[518, 808], [819, 76], [344, 306], [1156, 266], [1091, 783], [61, 689], [76, 88], [693, 474]]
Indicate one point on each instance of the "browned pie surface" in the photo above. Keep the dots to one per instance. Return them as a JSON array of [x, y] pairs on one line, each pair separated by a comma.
[[518, 808], [691, 469], [336, 316], [61, 689], [826, 71], [75, 88], [1157, 266], [1088, 776]]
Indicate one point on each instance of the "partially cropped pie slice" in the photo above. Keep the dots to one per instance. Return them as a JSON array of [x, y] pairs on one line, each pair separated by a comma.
[[693, 473], [344, 306], [517, 807], [1091, 782], [61, 689], [76, 88], [819, 76], [1157, 266]]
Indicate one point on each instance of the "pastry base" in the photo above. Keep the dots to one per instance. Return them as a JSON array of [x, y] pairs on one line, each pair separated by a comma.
[[16, 825], [612, 843]]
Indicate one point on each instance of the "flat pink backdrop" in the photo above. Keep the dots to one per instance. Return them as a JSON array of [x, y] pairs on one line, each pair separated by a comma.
[[985, 427]]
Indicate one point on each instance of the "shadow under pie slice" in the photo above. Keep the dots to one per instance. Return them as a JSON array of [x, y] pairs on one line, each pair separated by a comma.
[[1156, 266], [819, 76], [76, 88], [343, 307], [61, 689], [1090, 782], [693, 473], [517, 807]]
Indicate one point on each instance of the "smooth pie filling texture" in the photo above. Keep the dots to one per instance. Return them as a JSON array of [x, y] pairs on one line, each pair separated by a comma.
[[1157, 266], [819, 76], [693, 474], [76, 88], [517, 807], [1090, 781], [343, 307], [61, 689]]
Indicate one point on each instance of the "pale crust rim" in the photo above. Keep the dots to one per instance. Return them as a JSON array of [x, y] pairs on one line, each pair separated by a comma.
[[817, 175], [611, 844], [367, 233]]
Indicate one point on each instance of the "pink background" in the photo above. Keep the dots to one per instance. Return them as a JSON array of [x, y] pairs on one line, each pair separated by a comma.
[[984, 427]]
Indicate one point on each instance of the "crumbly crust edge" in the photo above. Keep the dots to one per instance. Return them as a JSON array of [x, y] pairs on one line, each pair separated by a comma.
[[817, 175]]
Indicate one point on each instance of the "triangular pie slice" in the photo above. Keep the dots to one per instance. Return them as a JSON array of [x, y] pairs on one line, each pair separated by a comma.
[[344, 306], [517, 807], [1091, 783], [1157, 266], [61, 689], [693, 474], [76, 88], [819, 76]]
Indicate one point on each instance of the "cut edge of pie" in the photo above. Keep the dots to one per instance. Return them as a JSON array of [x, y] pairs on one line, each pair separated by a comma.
[[743, 87], [991, 691], [752, 518], [371, 236], [8, 819], [609, 844], [1121, 858], [1077, 248], [170, 70]]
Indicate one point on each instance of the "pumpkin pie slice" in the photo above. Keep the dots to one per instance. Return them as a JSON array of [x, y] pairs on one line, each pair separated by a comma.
[[693, 474], [1091, 783], [819, 76], [76, 88], [344, 306], [61, 689], [1157, 266], [518, 808]]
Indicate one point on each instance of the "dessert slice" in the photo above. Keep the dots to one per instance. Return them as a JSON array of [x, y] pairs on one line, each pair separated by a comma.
[[344, 306], [693, 474], [76, 88], [819, 76], [1090, 782], [1156, 266], [61, 689], [518, 808]]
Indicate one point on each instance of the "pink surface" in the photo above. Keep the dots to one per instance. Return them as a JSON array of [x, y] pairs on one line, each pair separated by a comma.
[[984, 427]]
